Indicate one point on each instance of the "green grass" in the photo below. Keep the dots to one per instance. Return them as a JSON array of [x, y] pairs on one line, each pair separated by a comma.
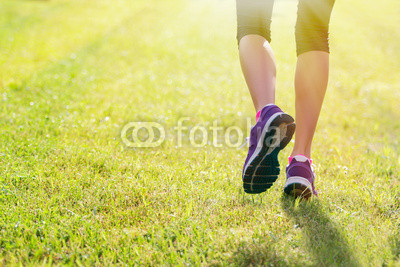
[[73, 73]]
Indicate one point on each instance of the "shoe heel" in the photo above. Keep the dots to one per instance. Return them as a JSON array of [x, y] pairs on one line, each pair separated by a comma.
[[286, 126], [298, 190], [290, 128]]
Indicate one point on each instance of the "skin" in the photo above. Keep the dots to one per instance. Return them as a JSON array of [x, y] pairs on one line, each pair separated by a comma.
[[259, 69], [311, 80]]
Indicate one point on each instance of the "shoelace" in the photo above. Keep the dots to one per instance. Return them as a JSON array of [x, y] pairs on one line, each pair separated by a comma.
[[246, 141], [313, 167]]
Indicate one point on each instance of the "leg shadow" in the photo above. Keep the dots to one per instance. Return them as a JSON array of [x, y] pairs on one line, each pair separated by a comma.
[[325, 241], [395, 246], [256, 254]]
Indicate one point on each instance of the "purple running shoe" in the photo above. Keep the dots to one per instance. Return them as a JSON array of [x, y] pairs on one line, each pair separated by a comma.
[[272, 132], [300, 178]]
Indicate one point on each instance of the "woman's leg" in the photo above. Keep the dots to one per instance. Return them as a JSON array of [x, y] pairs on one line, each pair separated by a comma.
[[256, 56], [273, 129], [258, 66], [312, 69], [310, 85]]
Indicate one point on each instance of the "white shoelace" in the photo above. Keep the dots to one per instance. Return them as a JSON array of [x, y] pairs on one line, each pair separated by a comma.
[[246, 141]]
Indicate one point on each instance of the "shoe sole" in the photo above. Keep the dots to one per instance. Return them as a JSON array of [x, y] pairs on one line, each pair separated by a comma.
[[263, 170], [298, 187]]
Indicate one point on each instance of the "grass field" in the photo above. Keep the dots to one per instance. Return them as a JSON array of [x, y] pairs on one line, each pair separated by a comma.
[[73, 73]]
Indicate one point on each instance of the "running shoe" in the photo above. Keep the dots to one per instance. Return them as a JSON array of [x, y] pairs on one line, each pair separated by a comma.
[[272, 132], [300, 178]]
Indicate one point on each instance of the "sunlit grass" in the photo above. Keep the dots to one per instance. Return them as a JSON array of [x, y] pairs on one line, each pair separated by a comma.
[[72, 73]]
